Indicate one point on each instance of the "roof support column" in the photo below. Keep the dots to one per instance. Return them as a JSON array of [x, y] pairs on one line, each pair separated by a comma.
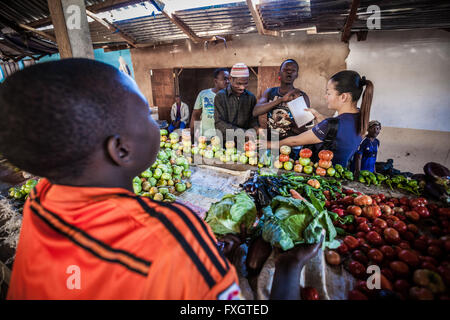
[[71, 28]]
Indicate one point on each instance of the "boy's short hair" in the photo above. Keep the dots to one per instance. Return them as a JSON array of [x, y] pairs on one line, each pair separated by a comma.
[[218, 71], [55, 115], [289, 61]]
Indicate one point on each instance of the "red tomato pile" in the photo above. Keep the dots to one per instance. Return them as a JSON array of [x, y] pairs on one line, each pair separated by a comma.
[[407, 238]]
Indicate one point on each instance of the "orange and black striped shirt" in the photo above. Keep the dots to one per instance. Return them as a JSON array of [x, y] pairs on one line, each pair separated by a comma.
[[107, 243]]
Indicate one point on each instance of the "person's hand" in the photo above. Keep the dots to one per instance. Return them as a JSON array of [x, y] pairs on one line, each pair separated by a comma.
[[229, 243], [315, 113], [291, 95], [300, 254]]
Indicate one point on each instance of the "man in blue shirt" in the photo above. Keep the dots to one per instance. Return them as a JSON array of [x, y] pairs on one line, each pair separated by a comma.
[[366, 156]]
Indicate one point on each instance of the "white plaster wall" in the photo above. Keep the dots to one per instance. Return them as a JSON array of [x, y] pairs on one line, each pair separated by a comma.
[[411, 75]]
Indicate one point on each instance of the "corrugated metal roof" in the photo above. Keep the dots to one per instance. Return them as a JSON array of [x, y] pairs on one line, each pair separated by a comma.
[[235, 18]]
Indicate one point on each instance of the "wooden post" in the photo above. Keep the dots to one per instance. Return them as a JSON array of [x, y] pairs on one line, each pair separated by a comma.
[[71, 28], [346, 32]]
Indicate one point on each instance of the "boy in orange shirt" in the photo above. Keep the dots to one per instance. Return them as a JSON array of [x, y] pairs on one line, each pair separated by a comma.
[[87, 129]]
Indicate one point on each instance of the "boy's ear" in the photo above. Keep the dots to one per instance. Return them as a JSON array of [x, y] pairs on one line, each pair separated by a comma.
[[117, 150]]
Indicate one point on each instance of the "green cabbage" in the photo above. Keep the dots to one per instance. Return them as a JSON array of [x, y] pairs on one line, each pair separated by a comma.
[[288, 222], [227, 215]]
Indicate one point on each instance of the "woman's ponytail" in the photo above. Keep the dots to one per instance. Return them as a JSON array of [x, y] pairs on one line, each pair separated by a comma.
[[366, 103], [350, 81]]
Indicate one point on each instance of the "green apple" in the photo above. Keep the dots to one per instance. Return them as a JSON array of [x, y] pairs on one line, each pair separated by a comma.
[[331, 172], [209, 154], [307, 169], [195, 150], [305, 161], [174, 136], [234, 157], [163, 132], [278, 164], [168, 145], [229, 144], [218, 154], [216, 148], [202, 145], [186, 149], [215, 141], [243, 159], [253, 161], [162, 144], [288, 165], [187, 143]]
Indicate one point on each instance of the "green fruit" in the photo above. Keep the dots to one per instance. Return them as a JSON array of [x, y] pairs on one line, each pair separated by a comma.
[[218, 154], [172, 189], [166, 176], [163, 132], [305, 161], [308, 169], [157, 173], [158, 197], [153, 190], [177, 170], [162, 144], [331, 172], [209, 154], [146, 186], [187, 173], [175, 146], [288, 165], [195, 150], [167, 145], [170, 182], [180, 187], [234, 157], [170, 197], [243, 159], [163, 191], [174, 136], [161, 183], [215, 148]]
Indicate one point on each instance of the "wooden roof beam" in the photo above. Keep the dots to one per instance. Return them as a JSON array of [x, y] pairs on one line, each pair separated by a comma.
[[182, 25], [113, 28], [346, 31], [258, 20], [38, 32]]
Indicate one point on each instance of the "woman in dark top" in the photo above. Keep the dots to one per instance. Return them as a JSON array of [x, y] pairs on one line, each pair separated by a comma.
[[343, 92]]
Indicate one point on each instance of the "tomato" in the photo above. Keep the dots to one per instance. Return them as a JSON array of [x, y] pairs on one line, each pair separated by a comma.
[[382, 224], [420, 245], [385, 283], [402, 286], [359, 220], [413, 228], [356, 295], [391, 235], [284, 157], [351, 242], [324, 164], [283, 150], [359, 256], [387, 273], [250, 146], [339, 212], [408, 235], [445, 212], [400, 226], [387, 210], [409, 257], [326, 155], [298, 168], [354, 210], [434, 251], [388, 252], [428, 259], [363, 200], [390, 204], [382, 196], [309, 293], [360, 236], [418, 293], [305, 153], [373, 238], [332, 257], [399, 268], [364, 227], [375, 255], [376, 199], [412, 215], [404, 201], [422, 211], [371, 211], [342, 249], [321, 171], [398, 210], [356, 269], [415, 203], [436, 230], [404, 245]]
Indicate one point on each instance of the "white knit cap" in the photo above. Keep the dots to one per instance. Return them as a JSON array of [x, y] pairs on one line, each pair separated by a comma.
[[239, 70]]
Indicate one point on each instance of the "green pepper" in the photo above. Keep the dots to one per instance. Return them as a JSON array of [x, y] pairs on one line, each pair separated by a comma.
[[381, 177], [413, 183], [389, 183], [147, 174], [337, 175], [137, 185], [339, 168], [365, 173], [348, 175], [361, 179]]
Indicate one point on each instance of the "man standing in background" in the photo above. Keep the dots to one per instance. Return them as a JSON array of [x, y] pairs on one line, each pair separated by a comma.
[[204, 105], [179, 114], [234, 105]]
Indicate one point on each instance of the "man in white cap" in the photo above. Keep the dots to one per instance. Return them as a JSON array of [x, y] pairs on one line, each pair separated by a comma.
[[233, 106]]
